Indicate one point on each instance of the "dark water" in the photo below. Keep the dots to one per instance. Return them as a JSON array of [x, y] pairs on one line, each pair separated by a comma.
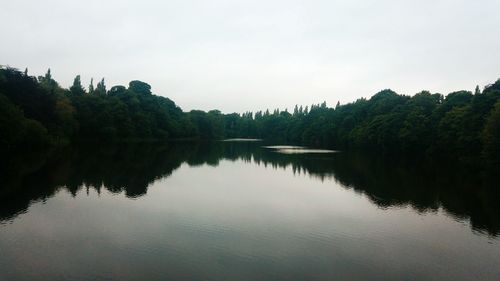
[[236, 211]]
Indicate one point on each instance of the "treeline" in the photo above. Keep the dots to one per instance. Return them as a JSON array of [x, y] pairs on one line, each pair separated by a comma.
[[38, 110], [461, 125]]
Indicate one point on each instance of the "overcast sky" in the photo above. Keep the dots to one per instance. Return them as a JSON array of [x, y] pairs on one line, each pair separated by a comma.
[[248, 55]]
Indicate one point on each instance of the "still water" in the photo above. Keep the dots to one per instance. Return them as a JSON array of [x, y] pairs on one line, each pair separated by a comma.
[[240, 211]]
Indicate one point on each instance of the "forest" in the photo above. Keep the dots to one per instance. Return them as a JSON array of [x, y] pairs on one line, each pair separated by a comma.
[[462, 125]]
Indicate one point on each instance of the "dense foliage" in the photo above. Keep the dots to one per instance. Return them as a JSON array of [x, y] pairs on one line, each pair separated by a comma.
[[463, 125]]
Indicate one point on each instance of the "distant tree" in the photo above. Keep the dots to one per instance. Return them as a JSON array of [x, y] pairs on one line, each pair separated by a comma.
[[491, 136], [100, 88], [47, 82], [48, 75], [91, 86], [117, 90], [140, 87], [77, 88], [15, 128], [477, 91]]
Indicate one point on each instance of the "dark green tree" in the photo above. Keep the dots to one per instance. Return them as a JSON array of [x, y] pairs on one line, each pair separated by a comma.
[[77, 88], [491, 137], [477, 91], [100, 88], [91, 86], [140, 87]]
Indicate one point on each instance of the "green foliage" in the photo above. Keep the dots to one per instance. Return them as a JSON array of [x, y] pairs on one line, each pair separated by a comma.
[[91, 86], [15, 128], [77, 88], [491, 136], [139, 87], [100, 89], [209, 125], [460, 126]]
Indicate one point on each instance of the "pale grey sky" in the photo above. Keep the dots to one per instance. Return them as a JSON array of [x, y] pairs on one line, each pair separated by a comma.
[[249, 55]]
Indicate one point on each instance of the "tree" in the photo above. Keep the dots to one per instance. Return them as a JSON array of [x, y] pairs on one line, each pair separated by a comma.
[[77, 88], [117, 90], [47, 82], [477, 91], [48, 76], [91, 86], [15, 128], [139, 87], [491, 136], [100, 88]]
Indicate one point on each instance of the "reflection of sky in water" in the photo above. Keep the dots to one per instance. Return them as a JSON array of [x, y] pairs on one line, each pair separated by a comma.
[[304, 151], [290, 149], [239, 221], [241, 140]]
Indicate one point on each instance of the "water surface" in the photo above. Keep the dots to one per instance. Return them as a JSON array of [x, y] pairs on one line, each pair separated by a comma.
[[238, 211]]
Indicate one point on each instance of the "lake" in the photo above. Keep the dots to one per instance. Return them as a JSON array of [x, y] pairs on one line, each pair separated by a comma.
[[241, 211]]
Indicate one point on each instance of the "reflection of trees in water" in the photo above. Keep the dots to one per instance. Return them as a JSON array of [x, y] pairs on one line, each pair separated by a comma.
[[126, 168], [132, 168], [390, 182]]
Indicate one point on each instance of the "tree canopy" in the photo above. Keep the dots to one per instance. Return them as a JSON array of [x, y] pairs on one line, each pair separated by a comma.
[[461, 125]]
